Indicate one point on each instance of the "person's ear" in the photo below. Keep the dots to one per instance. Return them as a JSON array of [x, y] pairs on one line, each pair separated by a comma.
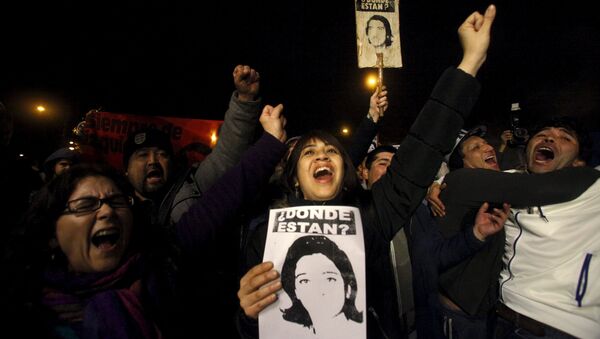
[[579, 163], [365, 173]]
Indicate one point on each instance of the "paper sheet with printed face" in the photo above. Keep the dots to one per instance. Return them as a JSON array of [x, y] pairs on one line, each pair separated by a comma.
[[378, 30], [319, 253]]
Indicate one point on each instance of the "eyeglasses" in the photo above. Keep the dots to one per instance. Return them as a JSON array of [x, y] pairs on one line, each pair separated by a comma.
[[90, 204]]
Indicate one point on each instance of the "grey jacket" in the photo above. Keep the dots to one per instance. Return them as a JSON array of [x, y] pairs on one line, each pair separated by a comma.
[[237, 134]]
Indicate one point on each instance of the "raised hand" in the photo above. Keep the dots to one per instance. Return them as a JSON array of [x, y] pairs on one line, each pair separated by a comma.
[[378, 104], [488, 223], [273, 121], [246, 81], [474, 36], [257, 289], [506, 138]]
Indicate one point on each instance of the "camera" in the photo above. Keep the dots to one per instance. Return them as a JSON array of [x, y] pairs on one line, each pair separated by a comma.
[[520, 134]]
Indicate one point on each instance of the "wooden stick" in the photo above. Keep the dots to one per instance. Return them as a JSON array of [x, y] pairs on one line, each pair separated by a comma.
[[380, 77]]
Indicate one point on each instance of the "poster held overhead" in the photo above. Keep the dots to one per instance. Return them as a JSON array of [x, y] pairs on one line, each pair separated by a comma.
[[378, 31]]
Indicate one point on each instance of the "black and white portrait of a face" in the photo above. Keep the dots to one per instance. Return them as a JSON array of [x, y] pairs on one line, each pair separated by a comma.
[[320, 282], [379, 32], [319, 253]]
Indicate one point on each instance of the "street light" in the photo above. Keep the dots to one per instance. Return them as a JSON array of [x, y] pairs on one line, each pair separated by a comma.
[[40, 108], [371, 81]]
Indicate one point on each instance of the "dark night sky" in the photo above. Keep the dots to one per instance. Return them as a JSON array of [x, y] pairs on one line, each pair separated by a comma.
[[176, 58]]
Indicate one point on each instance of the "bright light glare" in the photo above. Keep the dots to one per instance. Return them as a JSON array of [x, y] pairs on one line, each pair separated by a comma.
[[213, 138], [371, 81], [40, 108], [345, 130]]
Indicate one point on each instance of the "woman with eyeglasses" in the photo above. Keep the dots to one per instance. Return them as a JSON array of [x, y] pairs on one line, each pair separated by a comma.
[[88, 265]]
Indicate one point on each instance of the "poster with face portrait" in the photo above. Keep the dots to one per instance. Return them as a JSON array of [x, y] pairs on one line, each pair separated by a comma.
[[378, 31], [320, 256]]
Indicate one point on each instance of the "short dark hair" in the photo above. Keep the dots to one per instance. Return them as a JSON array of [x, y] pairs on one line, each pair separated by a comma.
[[377, 150], [572, 124], [386, 24], [49, 203]]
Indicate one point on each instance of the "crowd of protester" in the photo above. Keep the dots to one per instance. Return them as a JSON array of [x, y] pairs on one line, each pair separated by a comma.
[[499, 246]]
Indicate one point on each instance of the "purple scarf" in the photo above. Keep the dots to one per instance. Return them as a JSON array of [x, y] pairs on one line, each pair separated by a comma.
[[100, 305]]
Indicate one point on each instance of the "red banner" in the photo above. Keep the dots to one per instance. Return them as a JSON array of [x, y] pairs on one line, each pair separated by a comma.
[[111, 130]]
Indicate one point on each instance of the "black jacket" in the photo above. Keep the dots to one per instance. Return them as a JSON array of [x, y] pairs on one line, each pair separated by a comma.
[[393, 199]]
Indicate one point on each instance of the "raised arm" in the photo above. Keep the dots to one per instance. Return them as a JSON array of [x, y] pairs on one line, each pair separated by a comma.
[[238, 130], [415, 164], [367, 130], [474, 36], [469, 186], [434, 132], [238, 186]]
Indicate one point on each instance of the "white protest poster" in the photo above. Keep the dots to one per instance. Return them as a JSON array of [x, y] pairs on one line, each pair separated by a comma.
[[319, 253], [378, 31]]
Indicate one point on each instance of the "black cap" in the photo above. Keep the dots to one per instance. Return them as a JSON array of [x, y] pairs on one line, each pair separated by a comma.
[[147, 137], [455, 160], [61, 153], [377, 150]]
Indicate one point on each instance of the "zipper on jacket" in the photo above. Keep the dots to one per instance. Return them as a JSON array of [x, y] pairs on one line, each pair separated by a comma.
[[583, 279], [510, 274], [542, 214]]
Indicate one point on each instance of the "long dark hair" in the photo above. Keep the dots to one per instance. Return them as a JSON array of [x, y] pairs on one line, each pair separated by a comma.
[[386, 24], [350, 180], [313, 244]]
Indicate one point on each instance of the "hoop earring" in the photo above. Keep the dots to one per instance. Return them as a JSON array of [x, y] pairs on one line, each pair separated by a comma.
[[55, 255], [297, 190], [54, 249]]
